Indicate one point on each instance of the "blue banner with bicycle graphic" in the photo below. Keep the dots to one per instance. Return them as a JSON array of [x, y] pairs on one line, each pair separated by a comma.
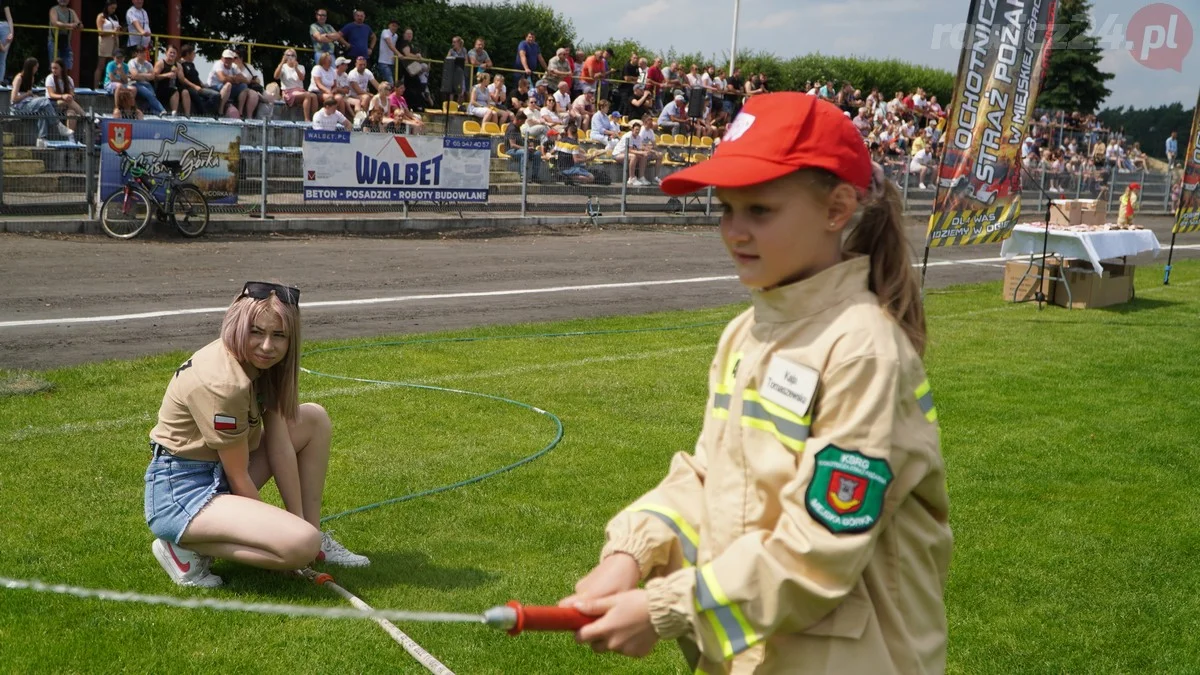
[[208, 154]]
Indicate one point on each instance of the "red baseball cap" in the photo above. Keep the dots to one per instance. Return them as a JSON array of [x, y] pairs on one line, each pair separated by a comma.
[[774, 135]]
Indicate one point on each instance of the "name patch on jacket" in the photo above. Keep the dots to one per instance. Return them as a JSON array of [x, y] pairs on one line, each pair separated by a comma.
[[846, 491], [789, 385]]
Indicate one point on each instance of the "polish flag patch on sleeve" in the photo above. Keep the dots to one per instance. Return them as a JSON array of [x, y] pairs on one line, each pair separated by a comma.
[[224, 423]]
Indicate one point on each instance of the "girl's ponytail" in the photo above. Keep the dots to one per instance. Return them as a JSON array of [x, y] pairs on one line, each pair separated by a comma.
[[880, 235]]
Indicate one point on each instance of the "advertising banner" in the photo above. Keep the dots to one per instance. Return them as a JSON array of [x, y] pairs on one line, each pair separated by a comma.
[[1187, 218], [208, 153], [1005, 49], [341, 166]]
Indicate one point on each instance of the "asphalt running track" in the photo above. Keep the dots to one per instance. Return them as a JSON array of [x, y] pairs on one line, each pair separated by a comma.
[[66, 300]]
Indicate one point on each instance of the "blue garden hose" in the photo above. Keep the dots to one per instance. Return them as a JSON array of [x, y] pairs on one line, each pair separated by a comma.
[[558, 434]]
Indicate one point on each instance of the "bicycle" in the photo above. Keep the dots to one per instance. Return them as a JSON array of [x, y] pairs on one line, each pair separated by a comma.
[[126, 212]]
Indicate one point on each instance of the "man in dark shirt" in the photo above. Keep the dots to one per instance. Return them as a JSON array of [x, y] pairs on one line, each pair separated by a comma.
[[624, 93], [360, 36], [734, 92], [529, 57], [204, 100]]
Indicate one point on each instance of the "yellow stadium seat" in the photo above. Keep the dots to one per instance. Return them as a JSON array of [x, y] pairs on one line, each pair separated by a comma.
[[471, 128], [456, 109], [706, 142], [680, 139], [698, 157], [667, 161], [491, 129], [696, 142], [665, 139], [502, 151]]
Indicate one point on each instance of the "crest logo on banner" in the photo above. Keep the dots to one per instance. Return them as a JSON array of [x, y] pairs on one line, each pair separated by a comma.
[[120, 136]]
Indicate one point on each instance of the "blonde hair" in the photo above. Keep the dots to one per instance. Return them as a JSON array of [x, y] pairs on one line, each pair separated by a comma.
[[878, 232], [279, 383]]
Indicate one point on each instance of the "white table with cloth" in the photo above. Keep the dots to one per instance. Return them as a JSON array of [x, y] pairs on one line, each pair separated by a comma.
[[1090, 245]]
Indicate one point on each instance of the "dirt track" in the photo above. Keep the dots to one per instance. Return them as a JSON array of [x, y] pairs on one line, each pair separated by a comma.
[[46, 277]]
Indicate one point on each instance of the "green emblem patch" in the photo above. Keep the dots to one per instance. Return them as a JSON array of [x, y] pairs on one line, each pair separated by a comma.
[[847, 489]]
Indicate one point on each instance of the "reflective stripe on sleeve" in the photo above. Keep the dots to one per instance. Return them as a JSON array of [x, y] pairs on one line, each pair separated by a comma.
[[723, 394], [688, 539], [759, 413], [726, 618], [924, 394]]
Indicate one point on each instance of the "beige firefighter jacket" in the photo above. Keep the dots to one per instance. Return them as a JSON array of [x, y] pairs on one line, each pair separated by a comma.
[[808, 531]]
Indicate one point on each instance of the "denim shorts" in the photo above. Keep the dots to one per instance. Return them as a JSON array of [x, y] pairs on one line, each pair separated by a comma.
[[177, 489]]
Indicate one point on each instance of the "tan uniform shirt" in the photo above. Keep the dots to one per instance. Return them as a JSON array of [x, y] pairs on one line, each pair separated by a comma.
[[808, 531], [210, 405]]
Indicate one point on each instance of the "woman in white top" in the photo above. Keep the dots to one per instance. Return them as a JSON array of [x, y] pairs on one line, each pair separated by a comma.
[[481, 100], [533, 125], [324, 81], [60, 88], [498, 99], [550, 116], [290, 74]]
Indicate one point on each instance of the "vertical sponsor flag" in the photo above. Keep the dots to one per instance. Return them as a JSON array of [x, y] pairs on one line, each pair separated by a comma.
[[1187, 217], [1005, 50]]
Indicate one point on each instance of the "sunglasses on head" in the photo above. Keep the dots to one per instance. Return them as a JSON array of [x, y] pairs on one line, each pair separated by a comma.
[[261, 290]]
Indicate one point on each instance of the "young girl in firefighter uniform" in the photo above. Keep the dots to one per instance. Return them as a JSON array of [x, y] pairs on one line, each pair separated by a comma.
[[807, 532]]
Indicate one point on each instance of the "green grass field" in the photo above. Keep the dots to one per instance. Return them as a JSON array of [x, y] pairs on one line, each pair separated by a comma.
[[1069, 435]]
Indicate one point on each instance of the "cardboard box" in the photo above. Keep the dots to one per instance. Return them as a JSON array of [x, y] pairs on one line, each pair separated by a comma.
[[1014, 269], [1078, 212], [1114, 286]]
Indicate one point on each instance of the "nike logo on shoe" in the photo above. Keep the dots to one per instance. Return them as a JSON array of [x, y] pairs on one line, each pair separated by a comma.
[[183, 567]]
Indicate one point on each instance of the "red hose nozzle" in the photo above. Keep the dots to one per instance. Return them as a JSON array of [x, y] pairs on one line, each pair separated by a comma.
[[517, 618]]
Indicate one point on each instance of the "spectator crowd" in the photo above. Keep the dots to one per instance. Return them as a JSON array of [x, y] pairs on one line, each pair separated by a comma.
[[548, 104]]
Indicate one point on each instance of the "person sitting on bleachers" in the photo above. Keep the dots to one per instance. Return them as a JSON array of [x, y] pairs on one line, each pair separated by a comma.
[[382, 104], [125, 105], [603, 129], [168, 84], [329, 118], [673, 118], [523, 151], [498, 99], [60, 89], [226, 79], [582, 109], [533, 126], [480, 101], [361, 81], [517, 99], [290, 74], [24, 102], [551, 116], [116, 75], [402, 113], [323, 82], [204, 100], [141, 72]]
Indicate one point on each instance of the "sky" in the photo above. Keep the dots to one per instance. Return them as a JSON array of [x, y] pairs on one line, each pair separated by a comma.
[[911, 30]]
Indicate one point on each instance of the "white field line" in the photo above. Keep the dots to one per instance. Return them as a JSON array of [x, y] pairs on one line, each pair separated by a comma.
[[435, 296], [365, 301], [103, 425]]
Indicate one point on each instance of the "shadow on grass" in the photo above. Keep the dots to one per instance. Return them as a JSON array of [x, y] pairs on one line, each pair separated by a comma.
[[1140, 304], [410, 568]]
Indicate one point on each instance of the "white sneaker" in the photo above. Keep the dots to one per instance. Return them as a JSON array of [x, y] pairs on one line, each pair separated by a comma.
[[643, 182], [40, 144], [185, 567], [922, 186], [334, 553], [64, 130], [632, 182]]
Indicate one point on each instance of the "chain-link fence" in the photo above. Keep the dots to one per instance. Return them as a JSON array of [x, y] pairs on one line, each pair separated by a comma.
[[533, 169]]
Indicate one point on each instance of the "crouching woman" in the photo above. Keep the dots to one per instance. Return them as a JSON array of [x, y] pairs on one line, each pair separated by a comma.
[[229, 422]]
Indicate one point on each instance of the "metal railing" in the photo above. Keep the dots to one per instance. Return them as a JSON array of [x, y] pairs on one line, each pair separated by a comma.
[[61, 175]]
